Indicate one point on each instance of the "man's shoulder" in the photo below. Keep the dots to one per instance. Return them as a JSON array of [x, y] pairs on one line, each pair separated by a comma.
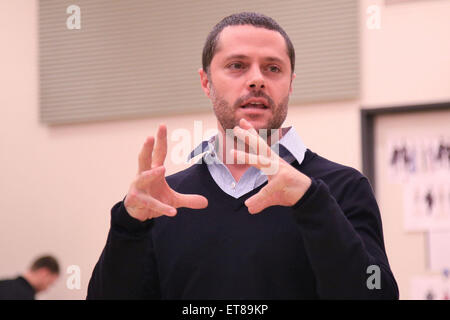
[[6, 282], [344, 182], [15, 289], [330, 171]]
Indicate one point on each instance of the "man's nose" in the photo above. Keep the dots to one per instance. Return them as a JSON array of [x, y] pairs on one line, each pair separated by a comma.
[[256, 80]]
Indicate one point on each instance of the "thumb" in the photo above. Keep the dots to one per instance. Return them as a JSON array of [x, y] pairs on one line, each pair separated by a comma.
[[259, 201], [192, 201]]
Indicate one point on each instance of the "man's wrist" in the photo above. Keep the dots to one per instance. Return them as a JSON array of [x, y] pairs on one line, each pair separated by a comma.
[[303, 183], [310, 189], [122, 219]]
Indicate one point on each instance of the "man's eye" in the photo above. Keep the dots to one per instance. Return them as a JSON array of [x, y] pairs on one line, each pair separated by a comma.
[[274, 69], [235, 65]]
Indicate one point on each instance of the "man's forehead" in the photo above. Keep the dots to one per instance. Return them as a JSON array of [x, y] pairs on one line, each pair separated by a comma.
[[250, 35]]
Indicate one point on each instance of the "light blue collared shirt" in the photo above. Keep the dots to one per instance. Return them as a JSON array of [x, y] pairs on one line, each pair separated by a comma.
[[290, 148]]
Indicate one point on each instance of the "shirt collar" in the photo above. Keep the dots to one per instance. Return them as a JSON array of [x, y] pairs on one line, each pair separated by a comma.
[[207, 146], [290, 144]]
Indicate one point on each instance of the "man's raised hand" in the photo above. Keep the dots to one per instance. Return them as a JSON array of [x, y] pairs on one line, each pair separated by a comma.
[[149, 195], [286, 185]]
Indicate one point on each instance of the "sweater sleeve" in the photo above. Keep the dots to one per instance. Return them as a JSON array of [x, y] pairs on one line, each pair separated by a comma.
[[343, 239], [126, 268]]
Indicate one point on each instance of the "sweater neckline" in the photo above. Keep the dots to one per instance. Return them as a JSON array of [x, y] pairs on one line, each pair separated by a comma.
[[237, 203], [219, 194]]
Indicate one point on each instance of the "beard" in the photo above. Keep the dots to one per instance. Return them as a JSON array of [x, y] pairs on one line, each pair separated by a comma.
[[226, 114]]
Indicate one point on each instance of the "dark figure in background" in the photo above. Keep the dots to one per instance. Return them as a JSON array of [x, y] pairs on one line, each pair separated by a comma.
[[429, 200], [42, 273]]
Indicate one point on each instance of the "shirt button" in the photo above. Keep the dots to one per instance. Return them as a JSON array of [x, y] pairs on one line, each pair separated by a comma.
[[233, 185]]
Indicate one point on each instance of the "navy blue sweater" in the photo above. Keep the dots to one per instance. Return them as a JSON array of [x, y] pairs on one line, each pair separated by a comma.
[[16, 289], [320, 248]]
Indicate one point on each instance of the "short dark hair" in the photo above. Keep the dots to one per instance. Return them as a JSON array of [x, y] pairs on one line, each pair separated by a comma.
[[48, 262], [243, 18]]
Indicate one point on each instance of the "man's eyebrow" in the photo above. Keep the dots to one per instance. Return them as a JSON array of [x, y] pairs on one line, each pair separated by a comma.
[[274, 59], [243, 56], [237, 56]]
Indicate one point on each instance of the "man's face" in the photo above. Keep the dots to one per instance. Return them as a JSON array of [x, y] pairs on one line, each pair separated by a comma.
[[250, 77], [46, 279]]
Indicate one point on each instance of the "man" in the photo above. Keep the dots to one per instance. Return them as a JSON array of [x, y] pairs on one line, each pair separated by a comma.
[[43, 272], [266, 225]]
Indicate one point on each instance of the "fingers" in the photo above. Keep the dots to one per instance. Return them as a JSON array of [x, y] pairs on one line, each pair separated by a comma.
[[160, 151], [145, 157], [146, 178], [242, 157], [248, 135], [265, 158], [259, 201], [192, 201], [143, 207], [266, 165], [244, 124], [154, 179]]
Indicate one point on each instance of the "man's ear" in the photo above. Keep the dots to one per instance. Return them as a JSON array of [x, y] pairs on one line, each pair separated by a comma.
[[204, 81], [292, 80]]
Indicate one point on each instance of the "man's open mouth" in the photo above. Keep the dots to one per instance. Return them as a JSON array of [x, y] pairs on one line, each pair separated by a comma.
[[254, 105]]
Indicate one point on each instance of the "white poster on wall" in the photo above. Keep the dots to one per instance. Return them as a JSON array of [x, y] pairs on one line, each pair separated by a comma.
[[422, 166], [439, 251], [412, 157], [426, 203]]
